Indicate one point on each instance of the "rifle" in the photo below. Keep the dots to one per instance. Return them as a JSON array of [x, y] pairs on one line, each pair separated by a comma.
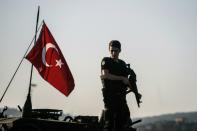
[[133, 80]]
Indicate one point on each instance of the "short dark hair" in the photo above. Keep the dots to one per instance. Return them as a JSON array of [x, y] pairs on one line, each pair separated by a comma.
[[115, 43]]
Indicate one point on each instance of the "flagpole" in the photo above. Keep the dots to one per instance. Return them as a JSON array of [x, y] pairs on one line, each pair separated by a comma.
[[28, 104], [34, 44]]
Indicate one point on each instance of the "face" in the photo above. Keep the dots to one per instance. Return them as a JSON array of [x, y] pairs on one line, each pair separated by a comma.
[[114, 52]]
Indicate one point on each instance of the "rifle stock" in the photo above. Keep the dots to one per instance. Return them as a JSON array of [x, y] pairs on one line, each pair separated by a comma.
[[132, 80]]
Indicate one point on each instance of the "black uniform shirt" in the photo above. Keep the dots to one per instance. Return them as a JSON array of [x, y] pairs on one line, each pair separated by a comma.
[[118, 68]]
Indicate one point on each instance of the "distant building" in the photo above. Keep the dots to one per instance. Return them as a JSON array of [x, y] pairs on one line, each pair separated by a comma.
[[179, 120]]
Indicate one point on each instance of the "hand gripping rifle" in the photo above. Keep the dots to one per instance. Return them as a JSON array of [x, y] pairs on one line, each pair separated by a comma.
[[132, 80]]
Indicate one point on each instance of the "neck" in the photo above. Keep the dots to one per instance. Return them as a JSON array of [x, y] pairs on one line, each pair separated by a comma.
[[115, 58]]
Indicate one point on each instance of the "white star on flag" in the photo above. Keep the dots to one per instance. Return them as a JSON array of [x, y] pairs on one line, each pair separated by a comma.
[[40, 69], [59, 63]]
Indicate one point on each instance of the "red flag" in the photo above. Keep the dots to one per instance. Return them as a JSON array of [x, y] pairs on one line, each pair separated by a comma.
[[48, 59]]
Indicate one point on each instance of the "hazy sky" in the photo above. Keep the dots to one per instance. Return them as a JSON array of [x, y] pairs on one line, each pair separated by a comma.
[[158, 39]]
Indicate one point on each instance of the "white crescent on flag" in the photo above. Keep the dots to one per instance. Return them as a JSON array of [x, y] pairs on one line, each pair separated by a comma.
[[44, 51]]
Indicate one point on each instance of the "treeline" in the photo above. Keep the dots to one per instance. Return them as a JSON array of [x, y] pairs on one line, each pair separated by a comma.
[[170, 122]]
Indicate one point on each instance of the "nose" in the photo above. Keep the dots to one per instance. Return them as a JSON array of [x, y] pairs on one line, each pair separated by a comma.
[[114, 51]]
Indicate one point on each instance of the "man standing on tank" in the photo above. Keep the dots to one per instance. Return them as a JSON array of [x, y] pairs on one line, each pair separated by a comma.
[[115, 83]]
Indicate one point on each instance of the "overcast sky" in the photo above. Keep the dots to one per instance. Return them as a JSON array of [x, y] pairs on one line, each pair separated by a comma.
[[158, 39]]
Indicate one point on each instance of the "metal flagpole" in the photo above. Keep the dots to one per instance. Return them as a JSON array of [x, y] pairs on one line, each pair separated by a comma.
[[28, 105], [34, 44]]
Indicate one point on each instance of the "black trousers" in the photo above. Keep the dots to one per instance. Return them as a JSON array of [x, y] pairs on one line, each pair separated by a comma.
[[117, 114]]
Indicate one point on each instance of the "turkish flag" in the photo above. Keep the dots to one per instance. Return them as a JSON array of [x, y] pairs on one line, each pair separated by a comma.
[[48, 59]]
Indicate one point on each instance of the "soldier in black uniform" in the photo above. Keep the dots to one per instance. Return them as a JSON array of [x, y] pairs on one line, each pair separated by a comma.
[[115, 83]]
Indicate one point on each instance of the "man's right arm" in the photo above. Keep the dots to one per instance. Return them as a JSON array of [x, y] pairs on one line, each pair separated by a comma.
[[106, 75]]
